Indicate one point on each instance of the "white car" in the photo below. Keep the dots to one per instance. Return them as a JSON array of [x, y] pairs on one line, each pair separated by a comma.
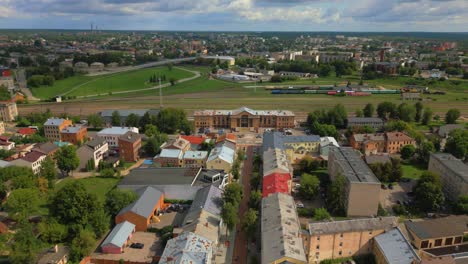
[[299, 205]]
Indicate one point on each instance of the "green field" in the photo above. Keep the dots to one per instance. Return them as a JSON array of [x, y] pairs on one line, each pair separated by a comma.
[[96, 185], [412, 171], [82, 85]]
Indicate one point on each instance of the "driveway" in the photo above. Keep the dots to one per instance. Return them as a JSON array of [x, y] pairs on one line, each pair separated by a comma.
[[389, 197]]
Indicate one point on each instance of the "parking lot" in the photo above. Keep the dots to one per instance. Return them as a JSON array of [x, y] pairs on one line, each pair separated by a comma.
[[398, 194]]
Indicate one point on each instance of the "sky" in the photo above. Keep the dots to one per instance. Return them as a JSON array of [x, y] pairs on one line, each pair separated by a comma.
[[238, 15]]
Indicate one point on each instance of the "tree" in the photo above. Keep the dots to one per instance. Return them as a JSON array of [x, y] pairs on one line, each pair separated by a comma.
[[428, 192], [308, 164], [116, 119], [173, 81], [233, 194], [321, 214], [67, 159], [235, 170], [82, 245], [49, 171], [230, 216], [309, 186], [396, 171], [151, 130], [249, 223], [51, 231], [117, 199], [22, 203], [457, 143], [336, 196], [90, 165], [424, 151], [153, 146], [407, 151], [427, 116], [132, 120], [170, 66], [107, 173], [254, 181], [95, 120], [452, 115], [359, 113], [255, 199], [368, 110], [407, 112], [25, 246], [462, 205], [419, 108], [386, 110]]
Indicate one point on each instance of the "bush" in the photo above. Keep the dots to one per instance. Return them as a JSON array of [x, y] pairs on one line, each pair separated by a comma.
[[399, 209]]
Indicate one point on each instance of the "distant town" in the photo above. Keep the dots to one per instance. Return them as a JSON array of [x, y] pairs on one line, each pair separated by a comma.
[[233, 147]]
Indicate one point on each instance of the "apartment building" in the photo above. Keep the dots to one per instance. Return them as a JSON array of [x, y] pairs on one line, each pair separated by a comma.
[[32, 160], [453, 174], [74, 134], [53, 128], [8, 111], [112, 134], [129, 146], [396, 140], [244, 118], [195, 159], [362, 186], [95, 150], [295, 147], [277, 172], [346, 238], [373, 122], [389, 142], [281, 239]]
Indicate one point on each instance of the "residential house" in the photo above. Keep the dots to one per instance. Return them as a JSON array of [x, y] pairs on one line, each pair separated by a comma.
[[195, 141], [196, 159], [345, 238], [112, 134], [188, 248], [453, 174], [26, 132], [169, 158], [389, 142], [445, 130], [281, 240], [373, 122], [95, 150], [129, 146], [393, 247], [53, 128], [118, 238], [8, 111], [47, 148], [58, 255], [6, 144], [74, 134], [221, 157], [32, 160], [396, 140], [178, 143], [437, 233], [362, 186], [144, 210]]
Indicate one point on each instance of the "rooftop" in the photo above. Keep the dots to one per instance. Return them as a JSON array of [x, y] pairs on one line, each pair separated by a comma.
[[96, 142], [244, 109], [117, 130], [275, 159], [187, 248], [170, 153], [280, 140], [33, 156], [398, 136], [222, 151], [72, 129], [454, 225], [280, 229], [195, 154], [130, 137], [119, 234], [53, 257], [144, 205], [353, 167], [395, 247], [161, 176], [46, 147], [354, 225], [455, 165], [54, 121]]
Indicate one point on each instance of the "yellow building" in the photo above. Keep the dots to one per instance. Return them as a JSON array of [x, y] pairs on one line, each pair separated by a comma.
[[221, 157], [195, 159], [53, 128], [393, 247], [341, 239], [8, 111], [295, 147]]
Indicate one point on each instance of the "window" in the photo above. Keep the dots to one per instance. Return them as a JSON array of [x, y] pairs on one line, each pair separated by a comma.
[[438, 243], [340, 253], [341, 235], [318, 238], [317, 247], [448, 241], [341, 244], [458, 240], [424, 244]]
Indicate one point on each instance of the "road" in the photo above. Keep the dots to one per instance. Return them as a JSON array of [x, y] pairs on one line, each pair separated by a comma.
[[142, 66], [23, 85], [196, 75], [241, 243]]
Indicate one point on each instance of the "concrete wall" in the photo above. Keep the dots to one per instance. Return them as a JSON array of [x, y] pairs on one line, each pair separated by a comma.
[[363, 199]]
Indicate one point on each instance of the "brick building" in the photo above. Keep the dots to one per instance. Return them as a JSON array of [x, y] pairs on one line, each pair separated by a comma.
[[74, 134], [169, 158], [129, 146], [53, 128], [389, 142], [244, 118]]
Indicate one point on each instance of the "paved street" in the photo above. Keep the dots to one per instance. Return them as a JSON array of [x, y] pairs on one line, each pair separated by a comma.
[[240, 246]]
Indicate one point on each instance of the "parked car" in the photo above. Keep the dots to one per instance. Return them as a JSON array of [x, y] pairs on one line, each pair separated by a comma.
[[383, 186], [299, 205], [137, 245], [390, 186]]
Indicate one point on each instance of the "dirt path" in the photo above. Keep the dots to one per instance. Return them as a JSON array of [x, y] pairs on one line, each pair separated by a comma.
[[241, 243], [197, 74]]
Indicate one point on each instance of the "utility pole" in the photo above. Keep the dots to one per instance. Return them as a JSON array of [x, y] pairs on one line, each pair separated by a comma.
[[160, 93]]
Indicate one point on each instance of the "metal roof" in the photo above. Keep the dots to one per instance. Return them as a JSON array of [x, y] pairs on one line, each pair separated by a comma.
[[354, 225], [119, 234], [144, 205], [352, 166], [171, 153], [161, 176], [117, 130], [395, 248], [454, 225], [195, 154], [280, 140], [187, 248], [222, 151], [208, 199], [54, 121]]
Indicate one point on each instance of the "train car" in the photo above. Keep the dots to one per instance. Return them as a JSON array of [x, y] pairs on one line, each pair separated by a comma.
[[287, 91]]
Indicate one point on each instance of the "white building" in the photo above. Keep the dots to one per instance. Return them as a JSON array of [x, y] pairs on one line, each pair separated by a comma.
[[112, 134], [95, 149], [32, 160]]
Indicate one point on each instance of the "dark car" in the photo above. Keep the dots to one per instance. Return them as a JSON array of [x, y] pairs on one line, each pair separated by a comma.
[[405, 180], [390, 186], [137, 245], [383, 186]]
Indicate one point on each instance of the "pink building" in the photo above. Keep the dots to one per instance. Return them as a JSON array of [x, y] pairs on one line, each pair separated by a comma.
[[118, 238]]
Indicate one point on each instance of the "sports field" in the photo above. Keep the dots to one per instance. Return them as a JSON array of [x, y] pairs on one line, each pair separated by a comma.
[[82, 85]]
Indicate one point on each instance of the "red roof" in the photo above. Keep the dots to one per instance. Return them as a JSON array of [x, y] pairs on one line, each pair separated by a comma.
[[3, 228], [26, 131], [32, 156], [195, 140], [276, 183]]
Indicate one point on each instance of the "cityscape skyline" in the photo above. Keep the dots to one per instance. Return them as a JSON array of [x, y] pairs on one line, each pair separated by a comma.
[[239, 15]]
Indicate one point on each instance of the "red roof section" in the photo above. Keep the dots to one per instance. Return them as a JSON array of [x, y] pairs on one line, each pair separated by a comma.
[[195, 140], [276, 183], [32, 156], [27, 131]]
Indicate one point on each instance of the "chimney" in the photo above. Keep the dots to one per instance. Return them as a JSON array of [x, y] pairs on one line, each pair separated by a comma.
[[55, 248]]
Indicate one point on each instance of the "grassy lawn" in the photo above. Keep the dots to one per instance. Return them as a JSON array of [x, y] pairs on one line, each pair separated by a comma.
[[411, 171], [87, 85], [98, 186]]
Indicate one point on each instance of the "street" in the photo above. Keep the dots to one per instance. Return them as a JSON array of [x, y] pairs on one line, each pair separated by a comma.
[[240, 246]]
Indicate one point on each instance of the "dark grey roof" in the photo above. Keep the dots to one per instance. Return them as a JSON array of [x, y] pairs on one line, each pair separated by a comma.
[[96, 142], [130, 137], [354, 225], [365, 120], [353, 167], [46, 147], [278, 140], [208, 199], [127, 112], [446, 129], [161, 176], [453, 164], [144, 205], [371, 159], [454, 225]]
